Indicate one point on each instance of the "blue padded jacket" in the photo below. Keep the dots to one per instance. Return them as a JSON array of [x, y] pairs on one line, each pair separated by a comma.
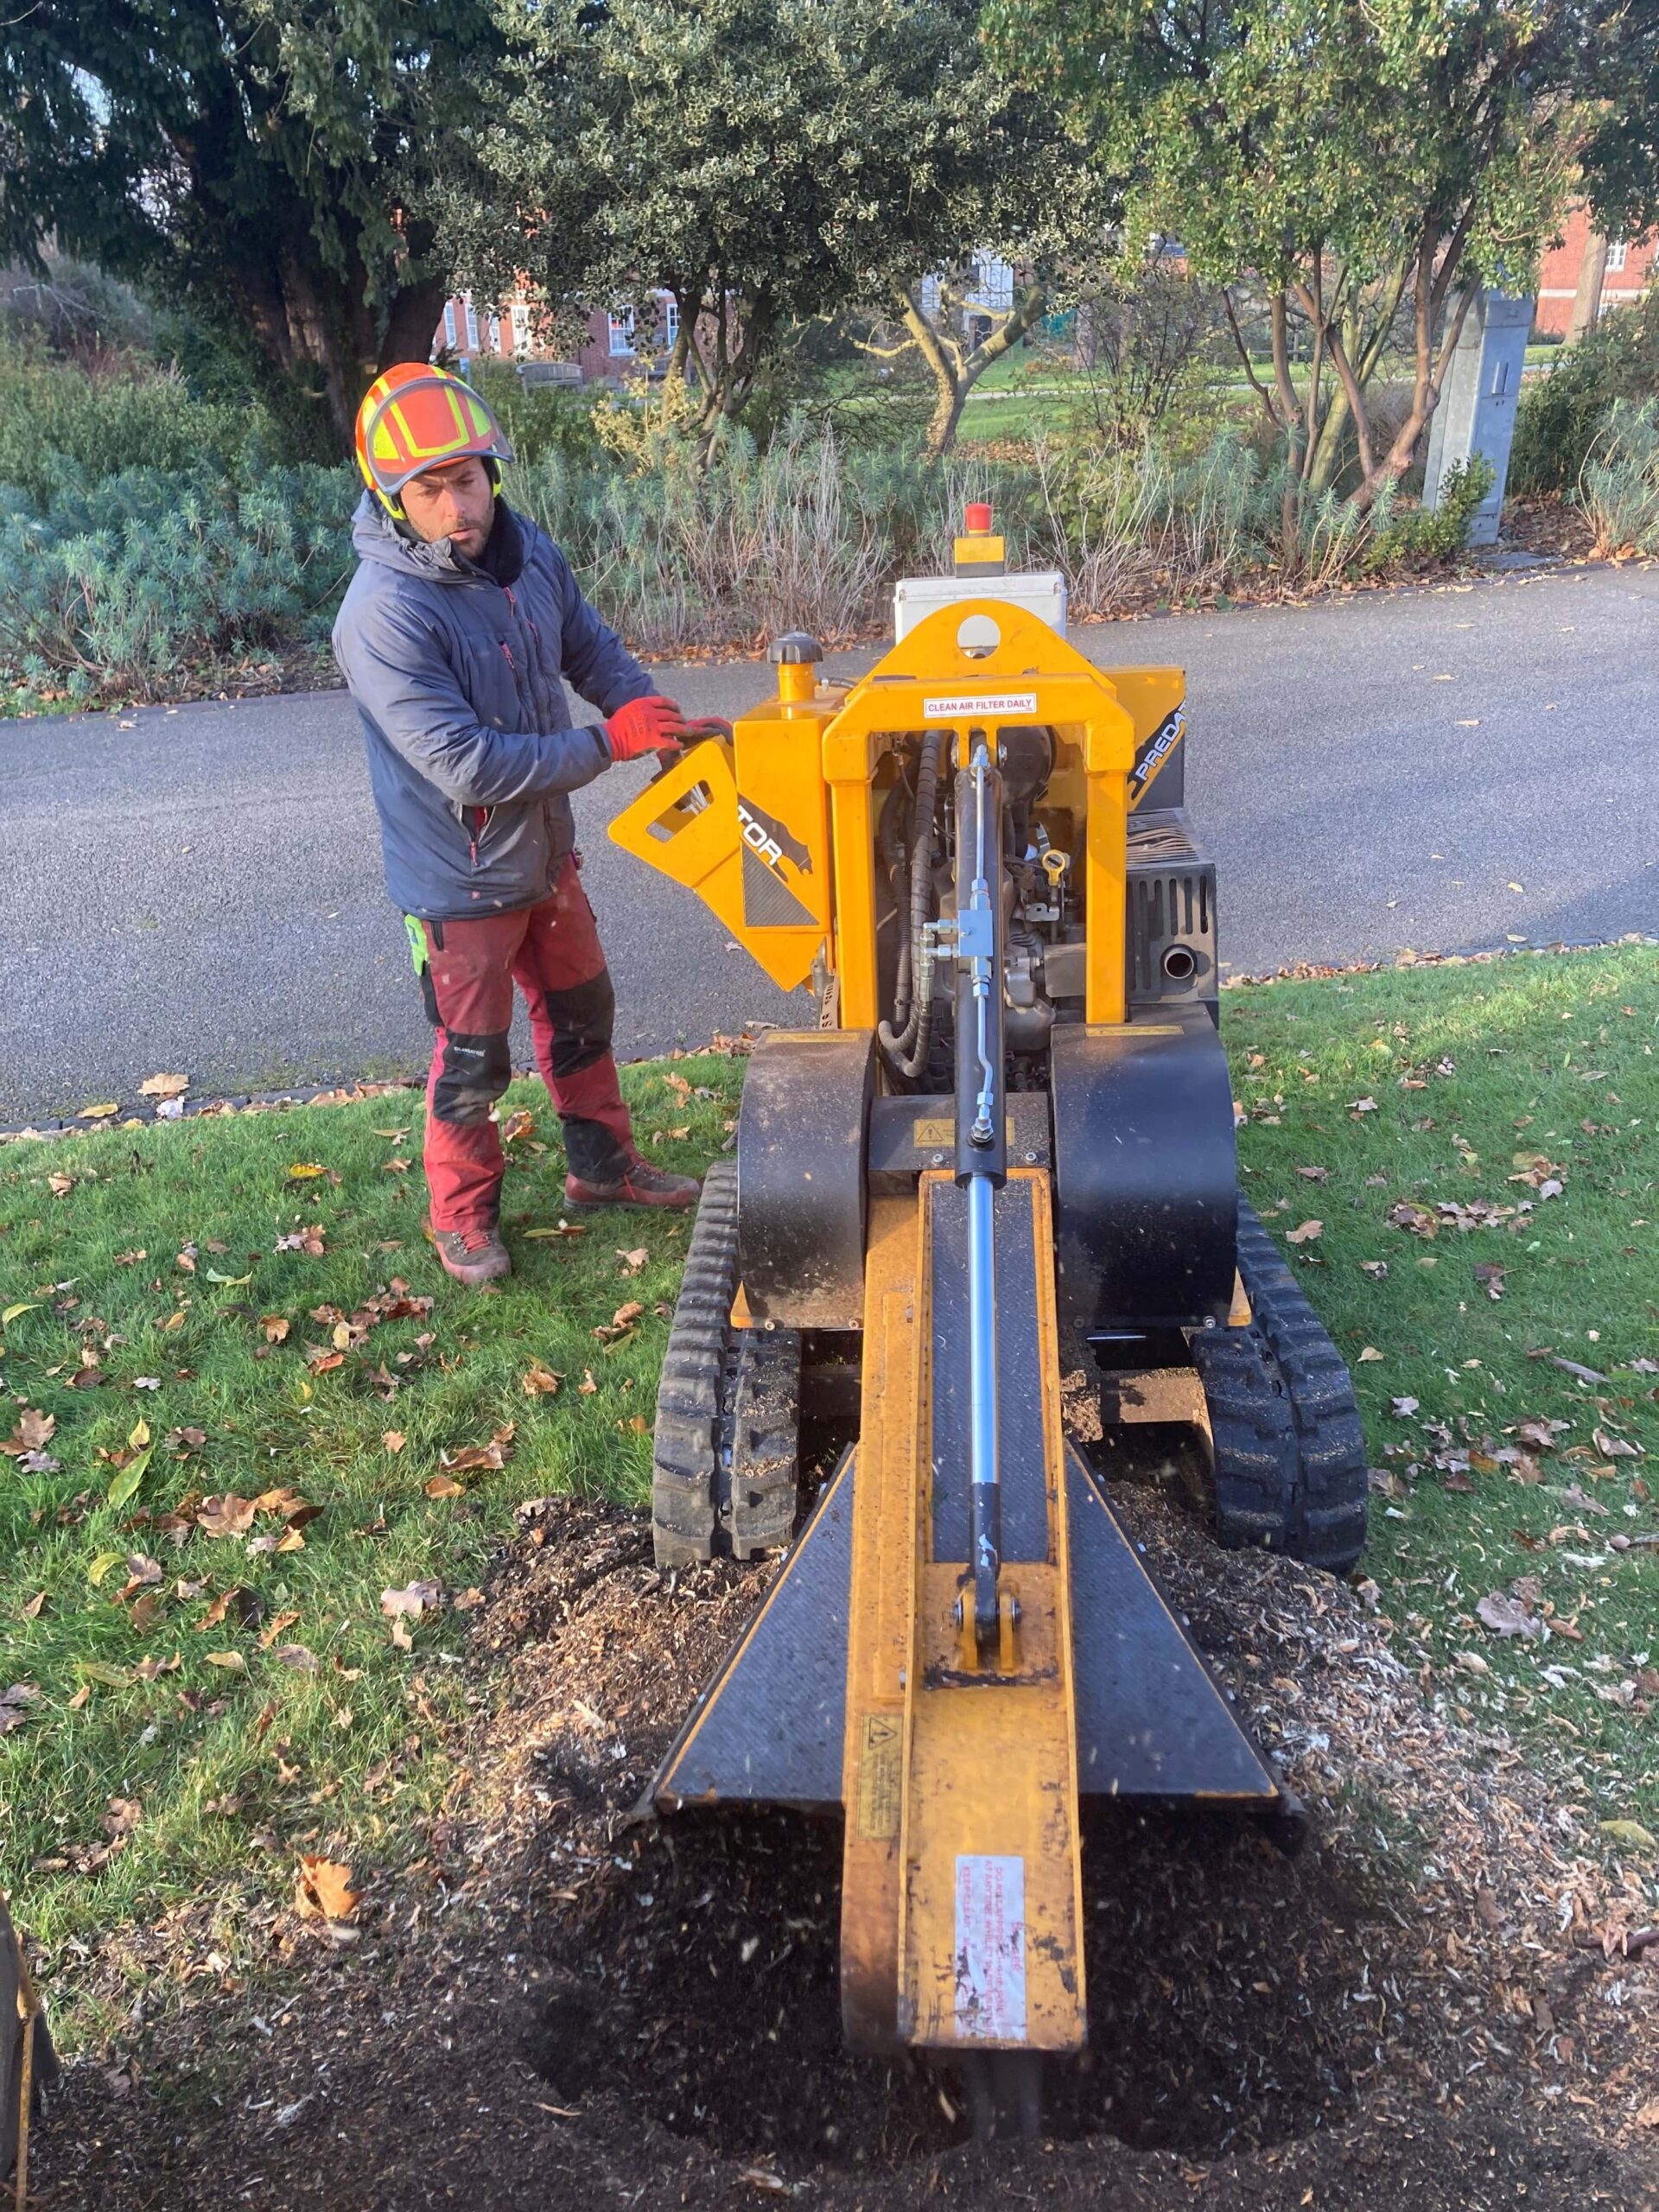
[[455, 667]]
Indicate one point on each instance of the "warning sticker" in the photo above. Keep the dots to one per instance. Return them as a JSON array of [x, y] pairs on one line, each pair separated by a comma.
[[980, 703], [879, 1775], [991, 1948]]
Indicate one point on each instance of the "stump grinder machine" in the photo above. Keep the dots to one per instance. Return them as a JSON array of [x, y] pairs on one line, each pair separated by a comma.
[[1008, 1142]]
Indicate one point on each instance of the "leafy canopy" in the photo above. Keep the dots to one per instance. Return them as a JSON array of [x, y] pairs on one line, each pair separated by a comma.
[[786, 155]]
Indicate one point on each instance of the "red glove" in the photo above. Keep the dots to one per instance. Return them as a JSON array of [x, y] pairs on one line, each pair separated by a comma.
[[650, 725]]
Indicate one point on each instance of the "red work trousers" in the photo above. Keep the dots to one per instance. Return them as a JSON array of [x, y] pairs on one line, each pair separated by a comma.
[[551, 951]]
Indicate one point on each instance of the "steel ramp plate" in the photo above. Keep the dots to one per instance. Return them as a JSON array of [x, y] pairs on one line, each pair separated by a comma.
[[1151, 1723], [769, 1728]]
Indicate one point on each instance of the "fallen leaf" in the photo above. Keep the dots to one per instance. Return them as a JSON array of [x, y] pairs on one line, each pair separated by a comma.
[[441, 1486], [298, 1657], [322, 1890], [32, 1610], [163, 1086], [305, 1171], [394, 1440], [1402, 1408], [274, 1328], [1509, 1617], [100, 1112], [1358, 1106], [412, 1600], [633, 1261], [34, 1431], [59, 1185], [125, 1484], [475, 1456], [565, 1228], [14, 1313], [225, 1516], [1616, 1447], [1631, 1833], [518, 1123], [1305, 1233], [1491, 1275], [13, 1705], [540, 1382], [122, 1816], [587, 1386], [1368, 1354], [232, 1661], [1417, 1220]]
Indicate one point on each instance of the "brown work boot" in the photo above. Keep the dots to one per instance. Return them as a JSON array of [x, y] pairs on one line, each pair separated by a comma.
[[639, 1185], [475, 1256]]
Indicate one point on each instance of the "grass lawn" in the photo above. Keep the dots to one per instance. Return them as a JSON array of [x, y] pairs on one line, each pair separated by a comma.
[[223, 1321]]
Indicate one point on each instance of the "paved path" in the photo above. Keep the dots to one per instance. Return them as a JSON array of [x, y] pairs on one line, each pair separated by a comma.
[[200, 889]]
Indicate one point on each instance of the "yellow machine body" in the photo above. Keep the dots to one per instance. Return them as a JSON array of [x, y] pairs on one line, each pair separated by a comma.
[[957, 1754], [776, 832]]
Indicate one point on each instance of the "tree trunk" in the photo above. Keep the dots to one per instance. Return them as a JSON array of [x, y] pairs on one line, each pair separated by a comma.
[[1431, 287], [1586, 301], [954, 373], [411, 321], [1292, 420]]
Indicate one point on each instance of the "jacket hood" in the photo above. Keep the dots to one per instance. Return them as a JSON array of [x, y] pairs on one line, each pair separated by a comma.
[[376, 537]]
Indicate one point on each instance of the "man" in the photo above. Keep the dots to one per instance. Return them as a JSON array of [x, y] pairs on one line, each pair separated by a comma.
[[457, 627]]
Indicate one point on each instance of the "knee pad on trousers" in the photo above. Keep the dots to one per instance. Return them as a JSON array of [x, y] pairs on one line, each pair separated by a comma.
[[476, 1072], [583, 1016]]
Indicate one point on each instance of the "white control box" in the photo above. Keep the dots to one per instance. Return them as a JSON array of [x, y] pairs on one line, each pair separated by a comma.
[[1040, 592]]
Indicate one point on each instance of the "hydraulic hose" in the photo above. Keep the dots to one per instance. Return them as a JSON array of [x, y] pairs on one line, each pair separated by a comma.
[[906, 1039]]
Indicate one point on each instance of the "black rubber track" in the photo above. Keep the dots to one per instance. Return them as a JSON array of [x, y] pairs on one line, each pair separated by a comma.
[[725, 1466], [1289, 1450], [692, 1394]]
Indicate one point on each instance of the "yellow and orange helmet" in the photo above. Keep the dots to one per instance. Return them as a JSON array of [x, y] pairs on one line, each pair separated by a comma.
[[416, 417]]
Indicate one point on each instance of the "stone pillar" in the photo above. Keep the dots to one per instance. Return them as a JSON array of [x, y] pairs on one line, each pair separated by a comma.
[[1477, 403]]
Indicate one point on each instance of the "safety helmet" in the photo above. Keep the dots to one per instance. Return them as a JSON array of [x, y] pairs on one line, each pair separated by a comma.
[[416, 417]]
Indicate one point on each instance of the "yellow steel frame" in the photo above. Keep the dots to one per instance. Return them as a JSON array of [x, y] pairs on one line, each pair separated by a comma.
[[703, 822], [961, 1885]]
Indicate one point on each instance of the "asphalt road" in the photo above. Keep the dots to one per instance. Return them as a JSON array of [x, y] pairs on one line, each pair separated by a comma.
[[200, 888]]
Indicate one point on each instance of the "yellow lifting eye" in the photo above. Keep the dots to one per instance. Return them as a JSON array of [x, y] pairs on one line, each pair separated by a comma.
[[1055, 863]]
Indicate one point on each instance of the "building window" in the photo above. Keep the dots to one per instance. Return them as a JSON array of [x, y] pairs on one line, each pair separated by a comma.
[[671, 308], [449, 324], [521, 337], [472, 324], [993, 289], [622, 332], [1616, 250]]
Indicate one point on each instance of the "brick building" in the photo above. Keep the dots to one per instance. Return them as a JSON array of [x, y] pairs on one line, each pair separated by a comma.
[[1628, 265], [615, 345]]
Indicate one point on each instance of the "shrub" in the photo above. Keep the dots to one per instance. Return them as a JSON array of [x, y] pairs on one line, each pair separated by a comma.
[[1561, 414], [800, 535], [1618, 486], [543, 420], [60, 423], [1414, 534], [114, 588]]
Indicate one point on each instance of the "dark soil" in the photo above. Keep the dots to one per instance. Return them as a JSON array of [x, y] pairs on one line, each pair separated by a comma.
[[575, 2010]]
